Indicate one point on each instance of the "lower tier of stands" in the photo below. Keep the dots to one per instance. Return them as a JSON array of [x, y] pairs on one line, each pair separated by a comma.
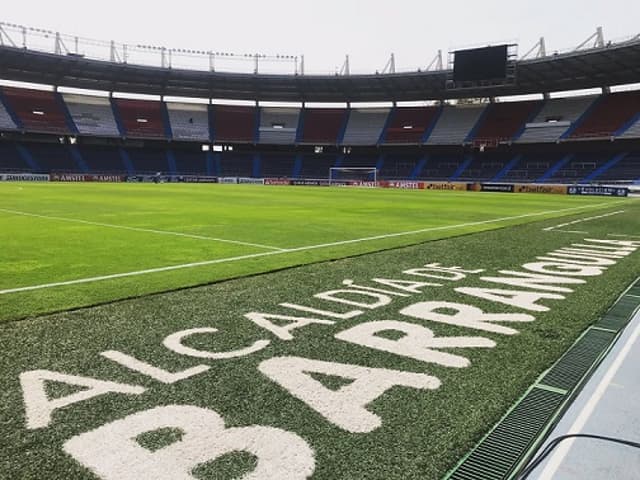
[[603, 164]]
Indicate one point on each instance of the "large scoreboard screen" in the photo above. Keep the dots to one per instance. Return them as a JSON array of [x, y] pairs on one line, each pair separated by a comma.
[[477, 64]]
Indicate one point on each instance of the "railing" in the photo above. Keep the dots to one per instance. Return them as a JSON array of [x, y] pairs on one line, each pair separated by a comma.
[[48, 41]]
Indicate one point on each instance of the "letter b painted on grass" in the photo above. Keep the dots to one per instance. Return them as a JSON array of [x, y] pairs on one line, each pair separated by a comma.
[[113, 453]]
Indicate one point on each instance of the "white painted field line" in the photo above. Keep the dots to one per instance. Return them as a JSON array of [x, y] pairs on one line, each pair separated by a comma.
[[622, 235], [579, 232], [290, 250], [139, 229], [580, 220], [579, 423]]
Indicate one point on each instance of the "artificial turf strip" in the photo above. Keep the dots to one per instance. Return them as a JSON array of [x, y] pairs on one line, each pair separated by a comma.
[[423, 432], [39, 250]]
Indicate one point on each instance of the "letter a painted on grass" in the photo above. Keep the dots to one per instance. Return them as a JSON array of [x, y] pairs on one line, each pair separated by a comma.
[[39, 407], [113, 453], [346, 407], [418, 342]]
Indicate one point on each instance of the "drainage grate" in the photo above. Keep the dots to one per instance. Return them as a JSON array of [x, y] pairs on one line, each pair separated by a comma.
[[578, 360], [620, 314], [501, 451]]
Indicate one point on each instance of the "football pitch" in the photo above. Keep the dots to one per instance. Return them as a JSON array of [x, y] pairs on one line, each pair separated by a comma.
[[332, 333], [66, 246]]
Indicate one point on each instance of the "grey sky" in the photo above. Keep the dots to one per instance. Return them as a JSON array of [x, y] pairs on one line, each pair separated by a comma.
[[324, 31]]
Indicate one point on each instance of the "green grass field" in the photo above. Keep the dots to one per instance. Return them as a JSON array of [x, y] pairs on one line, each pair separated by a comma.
[[263, 382], [56, 233]]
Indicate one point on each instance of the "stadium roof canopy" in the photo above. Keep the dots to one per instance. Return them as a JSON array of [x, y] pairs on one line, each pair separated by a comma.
[[608, 65]]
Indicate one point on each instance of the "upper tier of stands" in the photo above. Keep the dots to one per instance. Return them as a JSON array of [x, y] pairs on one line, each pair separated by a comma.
[[502, 122], [279, 125], [92, 115], [6, 121], [189, 121], [609, 116], [455, 124], [141, 118], [322, 126], [37, 110], [365, 126], [555, 118], [561, 119], [409, 125], [234, 124]]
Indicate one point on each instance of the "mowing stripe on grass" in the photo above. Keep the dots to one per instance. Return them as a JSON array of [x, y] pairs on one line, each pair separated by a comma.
[[580, 220], [140, 229], [291, 250]]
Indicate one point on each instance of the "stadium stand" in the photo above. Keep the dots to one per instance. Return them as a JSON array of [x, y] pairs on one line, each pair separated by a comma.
[[409, 125], [234, 124], [399, 166], [279, 126], [575, 167], [12, 160], [502, 122], [149, 160], [102, 160], [277, 165], [485, 166], [92, 115], [317, 165], [188, 162], [526, 167], [235, 164], [141, 118], [322, 126], [634, 130], [52, 157], [609, 116], [454, 124], [6, 120], [442, 166], [555, 118], [625, 167], [38, 110], [189, 122], [365, 126]]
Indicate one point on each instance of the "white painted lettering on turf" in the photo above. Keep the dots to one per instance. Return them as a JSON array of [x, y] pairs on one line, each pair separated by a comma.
[[324, 313], [515, 298], [435, 270], [346, 407], [334, 296], [38, 406], [575, 259], [263, 320], [418, 342], [465, 316], [556, 267], [112, 452], [174, 343], [406, 285], [156, 373], [535, 281]]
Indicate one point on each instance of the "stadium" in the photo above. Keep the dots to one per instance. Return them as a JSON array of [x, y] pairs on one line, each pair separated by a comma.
[[220, 266]]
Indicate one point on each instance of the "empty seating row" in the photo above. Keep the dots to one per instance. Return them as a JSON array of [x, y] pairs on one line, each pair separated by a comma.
[[612, 115], [557, 116]]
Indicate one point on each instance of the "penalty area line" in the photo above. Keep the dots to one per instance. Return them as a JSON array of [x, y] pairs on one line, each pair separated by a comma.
[[140, 229], [289, 250]]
